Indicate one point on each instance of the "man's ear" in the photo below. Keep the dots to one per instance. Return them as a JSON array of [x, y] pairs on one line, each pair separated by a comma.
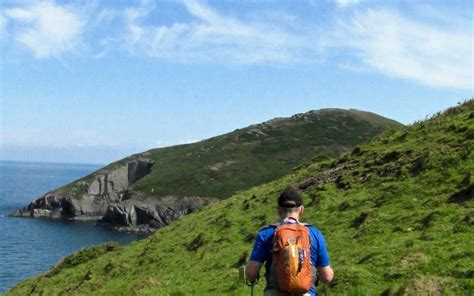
[[302, 211]]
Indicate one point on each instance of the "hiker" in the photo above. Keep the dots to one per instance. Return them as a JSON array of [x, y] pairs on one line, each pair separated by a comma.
[[284, 247]]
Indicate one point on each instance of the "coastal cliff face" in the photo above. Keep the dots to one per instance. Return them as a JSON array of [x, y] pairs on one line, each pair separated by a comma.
[[148, 216], [106, 196]]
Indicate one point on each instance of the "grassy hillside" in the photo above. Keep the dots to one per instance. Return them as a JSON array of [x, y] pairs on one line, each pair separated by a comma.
[[260, 153], [397, 214]]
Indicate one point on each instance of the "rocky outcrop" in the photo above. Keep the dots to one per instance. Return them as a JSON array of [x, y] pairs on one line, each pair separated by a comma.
[[115, 184], [148, 216], [65, 206], [88, 198], [105, 196]]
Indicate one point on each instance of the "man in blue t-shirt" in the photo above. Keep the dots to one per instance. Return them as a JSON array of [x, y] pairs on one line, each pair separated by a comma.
[[290, 210]]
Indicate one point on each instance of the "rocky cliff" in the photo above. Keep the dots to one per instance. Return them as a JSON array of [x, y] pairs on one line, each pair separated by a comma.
[[106, 197]]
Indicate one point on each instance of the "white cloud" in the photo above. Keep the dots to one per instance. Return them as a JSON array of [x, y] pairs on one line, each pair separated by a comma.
[[431, 51], [47, 29], [345, 3], [400, 47], [213, 37]]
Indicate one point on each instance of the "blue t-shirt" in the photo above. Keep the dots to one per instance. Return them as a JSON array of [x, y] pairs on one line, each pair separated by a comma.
[[261, 249]]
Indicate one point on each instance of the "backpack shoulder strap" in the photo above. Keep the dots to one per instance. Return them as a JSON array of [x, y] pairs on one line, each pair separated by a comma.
[[275, 225], [269, 226]]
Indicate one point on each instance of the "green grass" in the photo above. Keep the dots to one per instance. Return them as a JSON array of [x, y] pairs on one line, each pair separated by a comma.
[[220, 166], [397, 215]]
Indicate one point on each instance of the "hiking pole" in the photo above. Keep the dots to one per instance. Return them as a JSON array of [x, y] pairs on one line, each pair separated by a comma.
[[251, 284], [243, 277]]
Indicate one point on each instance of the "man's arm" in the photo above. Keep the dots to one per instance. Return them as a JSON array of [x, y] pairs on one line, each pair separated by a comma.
[[326, 274], [260, 250], [252, 270]]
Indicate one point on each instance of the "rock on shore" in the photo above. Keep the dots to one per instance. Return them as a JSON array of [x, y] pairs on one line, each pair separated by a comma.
[[148, 216], [106, 197]]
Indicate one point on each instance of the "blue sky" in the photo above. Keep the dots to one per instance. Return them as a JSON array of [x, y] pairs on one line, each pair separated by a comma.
[[93, 81]]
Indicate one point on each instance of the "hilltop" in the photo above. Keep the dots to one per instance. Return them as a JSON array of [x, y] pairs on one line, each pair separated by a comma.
[[397, 214], [149, 190]]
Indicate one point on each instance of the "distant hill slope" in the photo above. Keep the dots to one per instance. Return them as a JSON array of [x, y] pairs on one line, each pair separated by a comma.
[[397, 214], [148, 190], [259, 153]]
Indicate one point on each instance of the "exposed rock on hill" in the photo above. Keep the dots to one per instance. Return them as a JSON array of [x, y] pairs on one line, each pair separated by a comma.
[[134, 215], [104, 196]]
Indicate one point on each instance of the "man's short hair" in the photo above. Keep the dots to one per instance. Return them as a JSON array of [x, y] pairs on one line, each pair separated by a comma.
[[290, 198]]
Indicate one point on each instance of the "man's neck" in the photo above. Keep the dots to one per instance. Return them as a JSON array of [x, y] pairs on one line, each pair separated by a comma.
[[291, 217]]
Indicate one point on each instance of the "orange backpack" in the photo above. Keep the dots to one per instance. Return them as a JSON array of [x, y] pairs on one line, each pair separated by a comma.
[[291, 258]]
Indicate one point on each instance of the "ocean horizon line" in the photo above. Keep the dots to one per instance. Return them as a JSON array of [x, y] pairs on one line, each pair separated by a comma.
[[52, 162]]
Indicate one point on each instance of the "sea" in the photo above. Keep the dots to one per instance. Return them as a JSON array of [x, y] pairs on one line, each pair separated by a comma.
[[31, 246]]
